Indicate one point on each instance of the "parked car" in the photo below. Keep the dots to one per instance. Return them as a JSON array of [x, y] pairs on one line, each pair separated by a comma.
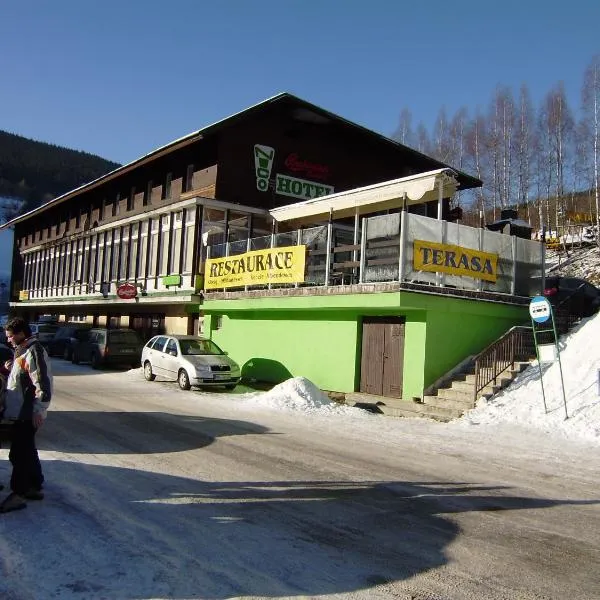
[[6, 353], [585, 297], [44, 332], [104, 346], [190, 361], [62, 342]]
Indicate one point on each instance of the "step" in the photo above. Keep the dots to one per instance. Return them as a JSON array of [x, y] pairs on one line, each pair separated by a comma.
[[408, 408], [454, 403], [397, 407]]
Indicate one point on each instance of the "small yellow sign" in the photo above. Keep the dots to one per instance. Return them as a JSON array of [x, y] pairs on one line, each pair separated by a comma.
[[274, 265], [455, 260], [23, 294]]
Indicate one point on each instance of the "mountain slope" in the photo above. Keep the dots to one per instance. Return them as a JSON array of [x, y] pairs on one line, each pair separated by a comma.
[[36, 172]]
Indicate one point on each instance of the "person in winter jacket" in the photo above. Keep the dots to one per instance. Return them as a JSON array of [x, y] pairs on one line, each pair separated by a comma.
[[28, 395]]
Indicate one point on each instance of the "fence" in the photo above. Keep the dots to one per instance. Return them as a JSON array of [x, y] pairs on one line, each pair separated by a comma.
[[383, 250]]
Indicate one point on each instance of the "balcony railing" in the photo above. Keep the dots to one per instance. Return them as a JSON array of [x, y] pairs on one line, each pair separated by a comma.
[[384, 250]]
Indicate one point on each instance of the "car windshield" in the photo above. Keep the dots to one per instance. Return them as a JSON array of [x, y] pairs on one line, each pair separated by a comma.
[[195, 347], [124, 337]]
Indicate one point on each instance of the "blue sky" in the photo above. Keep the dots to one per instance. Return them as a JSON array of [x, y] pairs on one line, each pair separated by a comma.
[[120, 78]]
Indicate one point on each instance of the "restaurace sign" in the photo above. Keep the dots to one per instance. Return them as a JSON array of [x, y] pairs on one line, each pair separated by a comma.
[[454, 260], [274, 265], [285, 185]]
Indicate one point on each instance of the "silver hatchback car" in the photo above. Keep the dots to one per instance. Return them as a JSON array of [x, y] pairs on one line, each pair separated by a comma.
[[190, 361]]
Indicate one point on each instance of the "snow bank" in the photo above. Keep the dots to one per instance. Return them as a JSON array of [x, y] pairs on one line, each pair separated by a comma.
[[296, 394], [522, 402]]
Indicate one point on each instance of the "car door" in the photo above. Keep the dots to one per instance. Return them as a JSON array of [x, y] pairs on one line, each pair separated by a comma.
[[171, 358], [156, 355]]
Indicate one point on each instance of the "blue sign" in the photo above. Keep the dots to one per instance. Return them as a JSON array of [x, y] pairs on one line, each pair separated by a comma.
[[540, 309]]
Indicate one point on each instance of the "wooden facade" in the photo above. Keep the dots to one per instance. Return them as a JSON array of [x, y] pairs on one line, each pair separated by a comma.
[[148, 222]]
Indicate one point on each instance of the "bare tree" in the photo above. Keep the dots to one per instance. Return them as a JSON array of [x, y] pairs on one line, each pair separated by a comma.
[[559, 128], [591, 112], [404, 133], [441, 137], [458, 127], [524, 148], [475, 149], [423, 141]]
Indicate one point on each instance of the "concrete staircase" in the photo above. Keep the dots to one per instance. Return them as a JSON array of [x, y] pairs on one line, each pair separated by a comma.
[[447, 403]]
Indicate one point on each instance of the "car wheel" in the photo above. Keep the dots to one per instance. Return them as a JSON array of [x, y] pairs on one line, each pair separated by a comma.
[[183, 380], [230, 386], [95, 360], [148, 374], [67, 353]]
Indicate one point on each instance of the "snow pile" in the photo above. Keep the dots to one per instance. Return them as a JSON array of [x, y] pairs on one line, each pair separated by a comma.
[[522, 402], [296, 394]]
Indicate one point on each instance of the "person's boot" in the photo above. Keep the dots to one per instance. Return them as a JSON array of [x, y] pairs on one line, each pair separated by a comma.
[[34, 494], [12, 502]]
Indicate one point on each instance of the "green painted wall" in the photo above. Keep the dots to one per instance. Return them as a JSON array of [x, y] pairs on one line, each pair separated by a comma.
[[275, 346], [319, 337]]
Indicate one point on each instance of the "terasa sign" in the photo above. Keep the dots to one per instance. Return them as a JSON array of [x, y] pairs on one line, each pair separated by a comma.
[[274, 265], [455, 260], [127, 291]]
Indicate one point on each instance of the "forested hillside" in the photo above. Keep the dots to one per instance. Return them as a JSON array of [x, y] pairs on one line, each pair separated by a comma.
[[36, 172]]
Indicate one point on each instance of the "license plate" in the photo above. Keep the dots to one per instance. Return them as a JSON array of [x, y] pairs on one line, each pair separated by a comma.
[[125, 351], [221, 376]]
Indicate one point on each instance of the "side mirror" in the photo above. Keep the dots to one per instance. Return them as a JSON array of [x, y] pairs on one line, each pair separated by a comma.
[[173, 352]]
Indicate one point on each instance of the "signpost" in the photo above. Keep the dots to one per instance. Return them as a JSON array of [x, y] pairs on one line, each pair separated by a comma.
[[540, 311]]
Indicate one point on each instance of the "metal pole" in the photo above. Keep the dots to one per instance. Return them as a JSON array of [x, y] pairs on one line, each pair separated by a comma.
[[402, 245], [363, 251], [537, 353], [514, 265], [328, 256], [562, 381]]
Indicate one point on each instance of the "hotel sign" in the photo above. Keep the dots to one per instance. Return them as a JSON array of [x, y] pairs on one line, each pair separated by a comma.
[[285, 185], [274, 265], [300, 188], [454, 260]]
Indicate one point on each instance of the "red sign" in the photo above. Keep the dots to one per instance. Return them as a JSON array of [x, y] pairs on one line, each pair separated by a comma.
[[127, 291], [295, 164]]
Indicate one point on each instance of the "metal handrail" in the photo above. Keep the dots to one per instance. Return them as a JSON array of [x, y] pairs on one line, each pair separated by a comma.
[[518, 344], [515, 345]]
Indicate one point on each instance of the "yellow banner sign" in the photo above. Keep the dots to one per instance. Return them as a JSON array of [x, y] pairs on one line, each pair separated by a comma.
[[23, 294], [455, 260], [274, 265]]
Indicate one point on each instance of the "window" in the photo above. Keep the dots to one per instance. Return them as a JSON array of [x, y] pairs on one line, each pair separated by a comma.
[[171, 347], [159, 343], [166, 191], [148, 194], [131, 198], [189, 178]]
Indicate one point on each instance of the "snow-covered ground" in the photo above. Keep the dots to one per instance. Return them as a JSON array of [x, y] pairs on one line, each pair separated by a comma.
[[157, 493]]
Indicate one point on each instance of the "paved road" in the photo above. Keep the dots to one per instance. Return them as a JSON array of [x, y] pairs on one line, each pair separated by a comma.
[[215, 501]]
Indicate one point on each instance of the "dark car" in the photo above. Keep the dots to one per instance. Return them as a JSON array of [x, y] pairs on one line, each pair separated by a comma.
[[6, 353], [108, 346], [581, 296], [62, 342]]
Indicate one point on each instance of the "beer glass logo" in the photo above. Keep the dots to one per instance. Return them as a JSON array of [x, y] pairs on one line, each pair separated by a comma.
[[263, 163]]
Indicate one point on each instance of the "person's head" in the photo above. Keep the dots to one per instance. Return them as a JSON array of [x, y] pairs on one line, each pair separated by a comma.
[[17, 330]]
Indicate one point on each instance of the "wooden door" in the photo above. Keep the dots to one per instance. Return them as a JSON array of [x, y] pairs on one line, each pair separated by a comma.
[[382, 356]]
